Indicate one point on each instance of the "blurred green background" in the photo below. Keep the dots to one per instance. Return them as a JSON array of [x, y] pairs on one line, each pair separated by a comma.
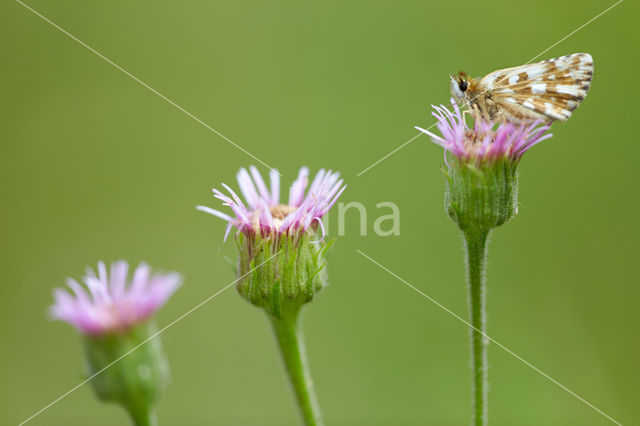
[[94, 166]]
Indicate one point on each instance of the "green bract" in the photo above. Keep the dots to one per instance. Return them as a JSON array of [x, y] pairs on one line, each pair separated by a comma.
[[482, 195], [281, 272], [128, 370]]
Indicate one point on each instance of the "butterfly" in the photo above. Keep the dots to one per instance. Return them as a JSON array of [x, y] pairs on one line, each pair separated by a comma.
[[547, 91]]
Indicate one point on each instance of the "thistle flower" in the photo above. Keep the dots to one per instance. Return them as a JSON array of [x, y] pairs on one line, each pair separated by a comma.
[[125, 360], [482, 187], [282, 252], [283, 235], [263, 213], [482, 179], [112, 304], [482, 143]]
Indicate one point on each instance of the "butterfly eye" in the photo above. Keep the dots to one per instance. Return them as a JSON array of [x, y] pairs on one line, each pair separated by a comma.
[[463, 85]]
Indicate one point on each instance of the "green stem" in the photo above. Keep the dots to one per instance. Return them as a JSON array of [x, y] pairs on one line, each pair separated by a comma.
[[289, 335], [143, 417], [476, 245]]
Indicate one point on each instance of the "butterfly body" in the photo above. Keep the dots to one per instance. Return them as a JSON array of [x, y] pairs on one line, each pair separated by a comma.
[[547, 91]]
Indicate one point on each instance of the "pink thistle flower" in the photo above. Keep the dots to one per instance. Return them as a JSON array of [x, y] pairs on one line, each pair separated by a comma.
[[112, 303], [483, 143], [264, 214]]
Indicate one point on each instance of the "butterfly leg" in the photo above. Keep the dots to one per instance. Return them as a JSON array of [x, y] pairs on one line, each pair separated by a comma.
[[469, 112], [476, 113]]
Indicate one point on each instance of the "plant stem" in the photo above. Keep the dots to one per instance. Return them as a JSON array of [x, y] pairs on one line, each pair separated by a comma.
[[476, 245], [289, 335], [143, 417]]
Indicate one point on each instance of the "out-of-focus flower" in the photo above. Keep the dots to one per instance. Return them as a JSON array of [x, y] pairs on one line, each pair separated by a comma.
[[125, 360], [110, 302]]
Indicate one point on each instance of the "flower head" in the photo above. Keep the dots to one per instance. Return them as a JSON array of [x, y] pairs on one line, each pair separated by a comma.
[[112, 303], [263, 213], [281, 265], [482, 142]]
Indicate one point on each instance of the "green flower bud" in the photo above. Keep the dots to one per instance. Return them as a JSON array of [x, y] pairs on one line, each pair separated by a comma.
[[482, 195], [281, 272], [128, 371]]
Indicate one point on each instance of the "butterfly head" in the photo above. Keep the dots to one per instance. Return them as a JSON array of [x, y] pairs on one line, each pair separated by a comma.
[[459, 86]]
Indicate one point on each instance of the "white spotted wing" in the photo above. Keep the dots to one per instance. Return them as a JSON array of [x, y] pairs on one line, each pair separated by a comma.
[[548, 90]]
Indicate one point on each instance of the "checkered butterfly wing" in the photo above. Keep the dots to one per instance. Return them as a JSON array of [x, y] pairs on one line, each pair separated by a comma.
[[548, 90]]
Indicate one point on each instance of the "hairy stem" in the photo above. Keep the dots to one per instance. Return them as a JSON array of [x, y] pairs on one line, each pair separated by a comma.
[[476, 247], [288, 331]]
